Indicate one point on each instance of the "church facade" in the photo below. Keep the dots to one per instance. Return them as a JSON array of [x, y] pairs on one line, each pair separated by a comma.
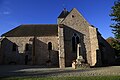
[[56, 45]]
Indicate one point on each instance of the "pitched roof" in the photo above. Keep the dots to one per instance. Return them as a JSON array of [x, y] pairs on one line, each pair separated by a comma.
[[33, 30], [1, 39], [63, 14]]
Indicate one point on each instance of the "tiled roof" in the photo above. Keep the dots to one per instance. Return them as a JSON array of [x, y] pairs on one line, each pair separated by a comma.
[[33, 30]]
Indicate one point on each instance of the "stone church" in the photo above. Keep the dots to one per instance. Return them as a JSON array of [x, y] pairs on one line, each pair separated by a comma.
[[56, 45]]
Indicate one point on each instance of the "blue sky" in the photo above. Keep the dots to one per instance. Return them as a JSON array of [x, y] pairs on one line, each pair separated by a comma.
[[17, 12]]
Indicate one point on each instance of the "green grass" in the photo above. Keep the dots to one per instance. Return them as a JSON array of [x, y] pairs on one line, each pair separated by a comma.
[[65, 78]]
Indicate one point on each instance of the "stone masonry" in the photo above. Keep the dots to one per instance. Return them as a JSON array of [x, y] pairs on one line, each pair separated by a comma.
[[56, 45]]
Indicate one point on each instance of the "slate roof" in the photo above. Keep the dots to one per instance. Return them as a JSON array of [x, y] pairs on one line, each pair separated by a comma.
[[1, 39], [33, 30], [63, 14]]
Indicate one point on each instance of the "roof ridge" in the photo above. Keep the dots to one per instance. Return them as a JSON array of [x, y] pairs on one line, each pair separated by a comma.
[[36, 24]]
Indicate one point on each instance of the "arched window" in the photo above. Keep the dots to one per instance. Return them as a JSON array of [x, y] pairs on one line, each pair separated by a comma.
[[73, 43], [14, 47], [26, 47], [77, 40], [49, 46], [75, 34]]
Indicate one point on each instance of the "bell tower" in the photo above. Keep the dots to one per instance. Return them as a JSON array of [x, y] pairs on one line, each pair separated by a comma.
[[62, 16]]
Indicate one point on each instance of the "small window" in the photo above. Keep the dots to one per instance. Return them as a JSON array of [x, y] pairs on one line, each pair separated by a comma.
[[49, 46], [73, 16], [26, 47], [14, 47]]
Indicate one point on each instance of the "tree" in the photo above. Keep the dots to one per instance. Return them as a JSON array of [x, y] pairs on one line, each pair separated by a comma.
[[115, 17], [115, 43], [115, 14], [110, 40]]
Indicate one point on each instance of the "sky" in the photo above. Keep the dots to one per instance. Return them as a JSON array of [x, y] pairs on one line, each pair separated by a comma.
[[16, 12]]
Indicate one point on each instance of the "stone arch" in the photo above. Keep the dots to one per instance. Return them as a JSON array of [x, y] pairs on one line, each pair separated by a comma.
[[49, 46]]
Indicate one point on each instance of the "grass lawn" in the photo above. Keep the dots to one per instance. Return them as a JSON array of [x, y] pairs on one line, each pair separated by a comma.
[[65, 78]]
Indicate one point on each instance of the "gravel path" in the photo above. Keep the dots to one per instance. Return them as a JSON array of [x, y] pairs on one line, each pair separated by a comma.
[[36, 71]]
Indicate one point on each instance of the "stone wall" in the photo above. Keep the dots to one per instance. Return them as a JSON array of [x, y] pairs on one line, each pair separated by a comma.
[[107, 52], [75, 21], [14, 56], [93, 45], [41, 50], [43, 54], [71, 55], [61, 46], [59, 20]]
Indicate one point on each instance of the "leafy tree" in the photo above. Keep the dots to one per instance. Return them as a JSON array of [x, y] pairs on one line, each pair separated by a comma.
[[110, 40], [115, 17], [115, 14], [115, 43]]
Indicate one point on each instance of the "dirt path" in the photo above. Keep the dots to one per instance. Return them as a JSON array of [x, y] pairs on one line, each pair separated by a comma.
[[36, 71]]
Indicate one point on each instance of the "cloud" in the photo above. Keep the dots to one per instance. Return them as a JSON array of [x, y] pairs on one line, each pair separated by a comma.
[[5, 8], [6, 13]]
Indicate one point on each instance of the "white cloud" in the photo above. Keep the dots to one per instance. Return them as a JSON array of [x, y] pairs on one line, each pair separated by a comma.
[[6, 12], [5, 9]]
